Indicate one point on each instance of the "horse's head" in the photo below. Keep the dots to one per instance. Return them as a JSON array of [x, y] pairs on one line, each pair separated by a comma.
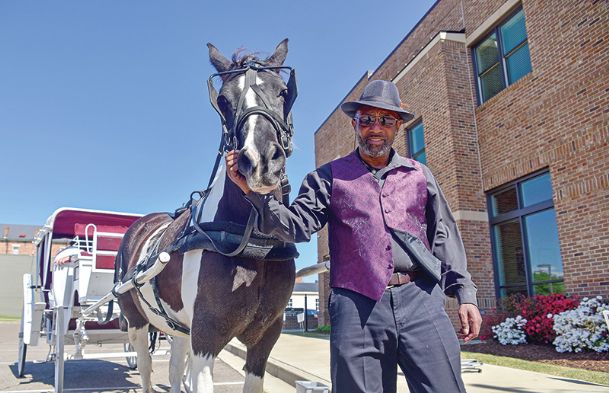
[[254, 103]]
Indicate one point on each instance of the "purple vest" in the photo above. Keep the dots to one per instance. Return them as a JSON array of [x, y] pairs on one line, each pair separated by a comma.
[[361, 213]]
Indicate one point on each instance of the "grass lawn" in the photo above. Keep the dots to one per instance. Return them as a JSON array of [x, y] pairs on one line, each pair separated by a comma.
[[566, 372]]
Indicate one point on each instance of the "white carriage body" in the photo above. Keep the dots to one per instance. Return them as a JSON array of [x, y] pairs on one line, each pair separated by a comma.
[[55, 294]]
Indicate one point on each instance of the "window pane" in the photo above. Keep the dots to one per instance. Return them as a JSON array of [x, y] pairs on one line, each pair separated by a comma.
[[513, 32], [421, 157], [417, 138], [509, 254], [535, 190], [518, 63], [504, 201], [549, 288], [487, 54], [543, 247], [492, 82], [507, 291]]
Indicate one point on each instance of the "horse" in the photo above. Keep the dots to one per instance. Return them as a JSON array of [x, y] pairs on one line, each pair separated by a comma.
[[208, 297]]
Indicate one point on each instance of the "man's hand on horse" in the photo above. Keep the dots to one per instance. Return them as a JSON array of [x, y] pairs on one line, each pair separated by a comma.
[[233, 171], [470, 321]]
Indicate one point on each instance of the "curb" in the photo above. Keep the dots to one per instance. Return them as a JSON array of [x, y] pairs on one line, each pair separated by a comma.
[[276, 367]]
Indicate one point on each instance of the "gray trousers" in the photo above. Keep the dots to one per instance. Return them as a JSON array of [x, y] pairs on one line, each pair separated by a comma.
[[407, 327]]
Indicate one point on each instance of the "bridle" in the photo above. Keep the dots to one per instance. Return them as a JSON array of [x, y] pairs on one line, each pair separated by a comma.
[[282, 124]]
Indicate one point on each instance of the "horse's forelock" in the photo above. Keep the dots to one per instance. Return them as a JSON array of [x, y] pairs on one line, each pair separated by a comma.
[[241, 57]]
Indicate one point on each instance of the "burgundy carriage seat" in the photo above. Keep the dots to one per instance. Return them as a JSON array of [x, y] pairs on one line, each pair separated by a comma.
[[106, 240]]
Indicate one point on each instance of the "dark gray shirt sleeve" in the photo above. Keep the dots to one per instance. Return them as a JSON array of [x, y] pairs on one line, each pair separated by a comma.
[[307, 214], [447, 245]]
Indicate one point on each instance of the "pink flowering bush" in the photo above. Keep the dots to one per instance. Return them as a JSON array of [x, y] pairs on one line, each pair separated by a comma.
[[537, 313]]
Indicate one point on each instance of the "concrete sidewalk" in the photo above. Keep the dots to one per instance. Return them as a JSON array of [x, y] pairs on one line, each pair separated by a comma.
[[304, 358]]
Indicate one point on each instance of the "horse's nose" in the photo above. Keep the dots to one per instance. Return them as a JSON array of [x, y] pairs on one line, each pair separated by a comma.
[[274, 157], [246, 162]]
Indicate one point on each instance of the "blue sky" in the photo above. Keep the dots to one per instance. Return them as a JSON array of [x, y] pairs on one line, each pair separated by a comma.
[[103, 104]]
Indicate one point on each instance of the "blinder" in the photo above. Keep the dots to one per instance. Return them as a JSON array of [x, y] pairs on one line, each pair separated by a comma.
[[282, 123]]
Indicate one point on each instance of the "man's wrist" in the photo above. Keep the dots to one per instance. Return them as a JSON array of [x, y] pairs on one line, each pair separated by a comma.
[[466, 295]]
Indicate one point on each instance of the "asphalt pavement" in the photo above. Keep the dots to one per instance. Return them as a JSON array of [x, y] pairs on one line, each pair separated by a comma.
[[106, 375]]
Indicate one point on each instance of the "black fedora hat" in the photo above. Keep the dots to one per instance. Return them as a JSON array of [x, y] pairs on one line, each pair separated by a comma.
[[379, 94]]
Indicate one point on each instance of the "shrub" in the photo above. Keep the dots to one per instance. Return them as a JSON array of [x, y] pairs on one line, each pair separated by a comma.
[[489, 319], [511, 331], [538, 311], [323, 329], [582, 328]]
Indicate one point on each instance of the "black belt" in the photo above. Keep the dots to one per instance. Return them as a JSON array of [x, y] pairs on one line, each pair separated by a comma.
[[398, 279]]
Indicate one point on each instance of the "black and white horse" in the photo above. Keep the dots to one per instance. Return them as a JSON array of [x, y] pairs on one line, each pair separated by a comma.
[[218, 297]]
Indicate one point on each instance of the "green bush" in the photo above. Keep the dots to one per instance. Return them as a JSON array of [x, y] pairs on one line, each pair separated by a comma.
[[323, 329]]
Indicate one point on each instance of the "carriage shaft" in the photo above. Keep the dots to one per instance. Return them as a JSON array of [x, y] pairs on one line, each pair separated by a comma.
[[141, 278]]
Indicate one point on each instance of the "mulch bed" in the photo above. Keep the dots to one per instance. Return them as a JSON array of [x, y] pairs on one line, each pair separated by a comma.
[[592, 361]]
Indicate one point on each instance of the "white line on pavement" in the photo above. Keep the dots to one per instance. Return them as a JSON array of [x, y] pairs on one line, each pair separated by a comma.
[[113, 388]]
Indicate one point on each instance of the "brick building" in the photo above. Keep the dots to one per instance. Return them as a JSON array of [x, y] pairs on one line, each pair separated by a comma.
[[511, 104], [17, 239]]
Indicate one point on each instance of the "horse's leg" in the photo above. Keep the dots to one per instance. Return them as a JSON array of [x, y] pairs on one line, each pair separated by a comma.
[[201, 371], [257, 356], [139, 339], [177, 362]]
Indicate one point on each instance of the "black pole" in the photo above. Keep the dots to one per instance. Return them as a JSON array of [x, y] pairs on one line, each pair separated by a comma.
[[306, 321]]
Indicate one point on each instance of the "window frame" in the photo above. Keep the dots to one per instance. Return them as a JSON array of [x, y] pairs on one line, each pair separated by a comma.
[[502, 58], [409, 141], [520, 214]]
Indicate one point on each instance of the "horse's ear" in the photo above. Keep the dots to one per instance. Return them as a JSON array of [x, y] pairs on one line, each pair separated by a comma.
[[281, 52], [218, 60]]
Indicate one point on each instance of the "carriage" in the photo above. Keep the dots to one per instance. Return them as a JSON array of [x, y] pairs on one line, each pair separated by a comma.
[[57, 293]]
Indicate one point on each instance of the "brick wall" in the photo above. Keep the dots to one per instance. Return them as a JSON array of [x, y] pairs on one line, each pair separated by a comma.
[[25, 247], [557, 118]]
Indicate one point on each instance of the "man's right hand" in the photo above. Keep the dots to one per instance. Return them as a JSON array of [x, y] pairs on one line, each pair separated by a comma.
[[232, 169]]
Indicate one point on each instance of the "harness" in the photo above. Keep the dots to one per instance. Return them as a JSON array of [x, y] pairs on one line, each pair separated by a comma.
[[211, 238], [227, 238]]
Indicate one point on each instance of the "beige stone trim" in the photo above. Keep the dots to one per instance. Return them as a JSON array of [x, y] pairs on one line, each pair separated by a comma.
[[491, 21], [470, 215], [441, 36]]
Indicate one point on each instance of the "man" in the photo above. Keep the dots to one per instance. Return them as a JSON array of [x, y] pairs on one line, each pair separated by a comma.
[[395, 250]]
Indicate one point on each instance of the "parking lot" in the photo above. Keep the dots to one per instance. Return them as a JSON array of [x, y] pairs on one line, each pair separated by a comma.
[[97, 375]]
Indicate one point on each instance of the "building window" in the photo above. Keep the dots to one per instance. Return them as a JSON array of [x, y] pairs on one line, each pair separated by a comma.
[[503, 57], [416, 143], [290, 303], [524, 234], [317, 304]]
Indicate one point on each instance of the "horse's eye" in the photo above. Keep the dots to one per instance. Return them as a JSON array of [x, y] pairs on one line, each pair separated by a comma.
[[283, 93], [225, 105], [222, 102]]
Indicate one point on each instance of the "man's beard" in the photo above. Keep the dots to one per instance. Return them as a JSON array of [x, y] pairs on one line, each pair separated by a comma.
[[374, 150]]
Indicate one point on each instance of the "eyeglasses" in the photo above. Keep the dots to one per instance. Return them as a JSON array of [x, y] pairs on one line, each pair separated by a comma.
[[368, 121]]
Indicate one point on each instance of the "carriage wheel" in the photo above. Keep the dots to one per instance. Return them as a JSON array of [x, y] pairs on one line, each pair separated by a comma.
[[131, 360], [21, 360]]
